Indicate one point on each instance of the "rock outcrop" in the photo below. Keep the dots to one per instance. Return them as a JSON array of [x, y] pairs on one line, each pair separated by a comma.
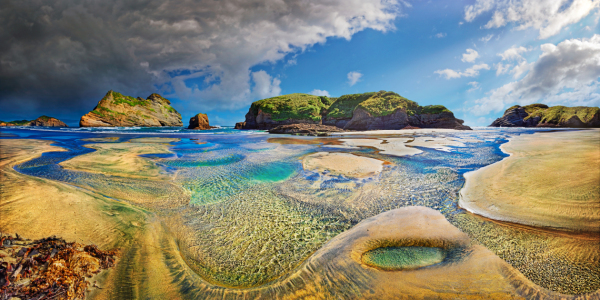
[[540, 115], [116, 110], [305, 129], [369, 111], [200, 122], [44, 121], [47, 122]]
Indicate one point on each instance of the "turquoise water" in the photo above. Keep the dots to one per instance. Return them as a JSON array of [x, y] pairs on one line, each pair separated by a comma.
[[274, 172]]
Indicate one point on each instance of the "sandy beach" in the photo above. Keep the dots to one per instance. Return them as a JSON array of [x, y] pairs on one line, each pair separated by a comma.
[[549, 180]]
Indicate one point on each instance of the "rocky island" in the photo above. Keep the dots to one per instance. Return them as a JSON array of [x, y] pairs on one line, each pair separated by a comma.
[[44, 121], [541, 115], [117, 110], [368, 111]]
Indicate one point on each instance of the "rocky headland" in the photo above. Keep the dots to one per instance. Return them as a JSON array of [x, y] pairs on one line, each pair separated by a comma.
[[117, 110], [541, 115], [200, 122], [369, 111], [44, 121]]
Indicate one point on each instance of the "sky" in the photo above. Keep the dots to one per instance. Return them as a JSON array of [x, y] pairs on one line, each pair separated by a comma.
[[476, 57]]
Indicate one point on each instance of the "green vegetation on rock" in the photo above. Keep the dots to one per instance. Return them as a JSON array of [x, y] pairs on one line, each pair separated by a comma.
[[344, 106], [292, 106], [118, 98], [432, 109], [19, 122], [378, 104], [558, 114], [385, 103]]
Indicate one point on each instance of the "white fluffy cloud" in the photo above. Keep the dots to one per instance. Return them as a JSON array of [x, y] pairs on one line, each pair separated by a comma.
[[470, 72], [470, 56], [547, 16], [201, 51], [513, 54], [440, 35], [317, 92], [566, 73], [354, 77]]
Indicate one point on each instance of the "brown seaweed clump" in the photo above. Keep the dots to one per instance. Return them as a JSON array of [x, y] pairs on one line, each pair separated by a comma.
[[49, 268]]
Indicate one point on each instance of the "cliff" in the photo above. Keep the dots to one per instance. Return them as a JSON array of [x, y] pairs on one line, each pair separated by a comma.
[[541, 115], [116, 110], [41, 121], [368, 111]]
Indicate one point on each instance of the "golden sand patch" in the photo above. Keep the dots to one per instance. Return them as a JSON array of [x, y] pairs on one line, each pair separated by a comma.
[[345, 164], [550, 180], [122, 159]]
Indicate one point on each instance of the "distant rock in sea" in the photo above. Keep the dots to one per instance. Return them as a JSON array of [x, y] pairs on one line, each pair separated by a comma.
[[541, 115], [44, 121], [117, 110], [47, 122], [199, 122], [368, 111]]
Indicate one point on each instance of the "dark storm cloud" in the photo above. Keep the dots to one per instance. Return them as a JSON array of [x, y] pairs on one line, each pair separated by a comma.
[[64, 55]]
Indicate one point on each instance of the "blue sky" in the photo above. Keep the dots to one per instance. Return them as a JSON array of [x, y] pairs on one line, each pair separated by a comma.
[[476, 57], [429, 36]]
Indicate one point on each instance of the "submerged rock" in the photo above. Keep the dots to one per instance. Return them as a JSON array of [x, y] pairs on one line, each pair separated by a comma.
[[117, 110], [541, 115], [199, 122]]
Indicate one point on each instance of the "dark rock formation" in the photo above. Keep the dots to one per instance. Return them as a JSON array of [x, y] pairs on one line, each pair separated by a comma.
[[240, 125], [47, 122], [264, 121], [540, 115], [305, 129], [199, 122], [116, 110], [439, 120], [362, 120]]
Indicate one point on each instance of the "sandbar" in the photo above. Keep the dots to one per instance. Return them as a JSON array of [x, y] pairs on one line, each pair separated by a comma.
[[345, 164], [550, 180]]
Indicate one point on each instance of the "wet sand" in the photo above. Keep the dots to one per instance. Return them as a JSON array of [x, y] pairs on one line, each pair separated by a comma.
[[550, 180], [345, 164], [122, 159], [151, 265]]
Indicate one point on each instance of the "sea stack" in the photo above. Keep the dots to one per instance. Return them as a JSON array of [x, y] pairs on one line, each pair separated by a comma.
[[117, 110], [199, 122]]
